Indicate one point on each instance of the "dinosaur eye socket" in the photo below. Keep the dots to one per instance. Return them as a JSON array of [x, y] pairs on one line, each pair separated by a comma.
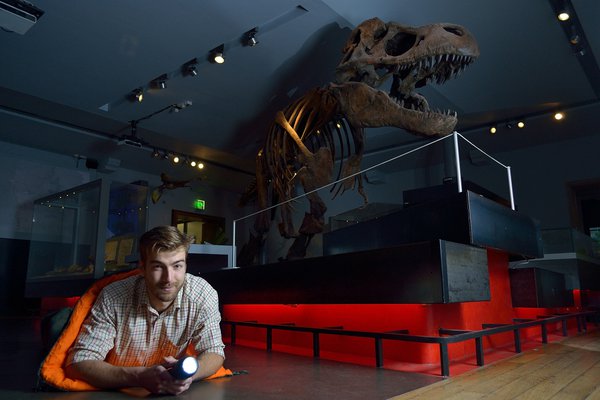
[[455, 31], [400, 44], [379, 34]]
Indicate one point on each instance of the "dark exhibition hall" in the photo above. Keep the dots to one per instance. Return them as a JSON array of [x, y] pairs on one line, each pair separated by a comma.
[[314, 199]]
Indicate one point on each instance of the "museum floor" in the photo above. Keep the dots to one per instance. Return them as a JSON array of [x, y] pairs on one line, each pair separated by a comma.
[[269, 375], [563, 369]]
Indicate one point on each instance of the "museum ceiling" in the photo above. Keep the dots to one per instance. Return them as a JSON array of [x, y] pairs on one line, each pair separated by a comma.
[[65, 84]]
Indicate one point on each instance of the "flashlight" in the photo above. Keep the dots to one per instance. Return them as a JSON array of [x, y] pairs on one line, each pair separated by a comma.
[[185, 367]]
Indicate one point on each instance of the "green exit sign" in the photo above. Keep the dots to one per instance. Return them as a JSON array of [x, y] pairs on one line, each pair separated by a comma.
[[199, 204]]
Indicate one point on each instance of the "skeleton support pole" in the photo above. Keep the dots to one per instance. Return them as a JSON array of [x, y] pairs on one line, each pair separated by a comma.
[[457, 159]]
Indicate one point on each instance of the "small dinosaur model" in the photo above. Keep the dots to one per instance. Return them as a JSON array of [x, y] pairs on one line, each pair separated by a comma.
[[168, 184], [327, 123]]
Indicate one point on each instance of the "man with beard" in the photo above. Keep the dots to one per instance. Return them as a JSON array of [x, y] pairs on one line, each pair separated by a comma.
[[141, 325]]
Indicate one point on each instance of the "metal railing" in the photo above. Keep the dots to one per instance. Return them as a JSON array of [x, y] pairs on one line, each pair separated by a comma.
[[447, 336]]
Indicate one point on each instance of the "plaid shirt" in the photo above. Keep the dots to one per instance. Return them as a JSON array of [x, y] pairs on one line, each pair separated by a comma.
[[123, 329]]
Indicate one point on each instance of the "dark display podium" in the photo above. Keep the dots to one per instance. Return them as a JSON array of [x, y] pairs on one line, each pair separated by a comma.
[[436, 271], [433, 252]]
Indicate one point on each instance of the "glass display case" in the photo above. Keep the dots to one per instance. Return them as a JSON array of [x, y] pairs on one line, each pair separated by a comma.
[[82, 234]]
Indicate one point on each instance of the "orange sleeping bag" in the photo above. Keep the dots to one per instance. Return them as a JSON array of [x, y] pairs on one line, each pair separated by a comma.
[[52, 371]]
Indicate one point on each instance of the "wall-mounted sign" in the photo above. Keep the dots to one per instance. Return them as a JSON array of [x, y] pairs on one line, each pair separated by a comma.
[[199, 204]]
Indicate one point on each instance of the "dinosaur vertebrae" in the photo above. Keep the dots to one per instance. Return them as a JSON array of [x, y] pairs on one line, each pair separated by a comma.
[[300, 148]]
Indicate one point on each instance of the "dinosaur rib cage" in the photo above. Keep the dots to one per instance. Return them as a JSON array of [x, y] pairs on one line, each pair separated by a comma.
[[317, 121]]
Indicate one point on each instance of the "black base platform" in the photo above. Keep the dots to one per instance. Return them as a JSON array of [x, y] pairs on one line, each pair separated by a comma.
[[428, 272]]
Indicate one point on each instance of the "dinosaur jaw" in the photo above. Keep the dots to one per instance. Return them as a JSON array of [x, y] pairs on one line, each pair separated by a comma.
[[409, 76], [367, 107]]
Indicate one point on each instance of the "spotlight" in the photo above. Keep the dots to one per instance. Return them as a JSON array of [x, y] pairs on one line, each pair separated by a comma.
[[189, 68], [563, 15], [563, 11], [200, 165], [193, 163], [558, 116], [216, 54], [521, 124], [137, 95], [493, 130], [160, 82], [175, 159], [574, 37], [250, 37]]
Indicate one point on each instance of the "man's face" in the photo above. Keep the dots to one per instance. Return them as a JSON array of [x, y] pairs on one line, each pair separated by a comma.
[[164, 273]]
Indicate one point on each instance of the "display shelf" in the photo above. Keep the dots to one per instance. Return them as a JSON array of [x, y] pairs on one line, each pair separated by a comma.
[[82, 234], [570, 253]]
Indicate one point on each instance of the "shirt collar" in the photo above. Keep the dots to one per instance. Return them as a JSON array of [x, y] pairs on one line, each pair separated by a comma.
[[142, 299]]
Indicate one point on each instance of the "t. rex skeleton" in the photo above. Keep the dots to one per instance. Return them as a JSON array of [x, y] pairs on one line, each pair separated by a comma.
[[328, 123]]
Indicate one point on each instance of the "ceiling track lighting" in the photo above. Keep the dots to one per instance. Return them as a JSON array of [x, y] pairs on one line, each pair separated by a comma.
[[569, 22], [217, 55], [190, 68], [179, 159], [249, 38]]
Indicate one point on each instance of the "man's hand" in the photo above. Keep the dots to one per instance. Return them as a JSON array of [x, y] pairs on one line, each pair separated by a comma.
[[157, 379]]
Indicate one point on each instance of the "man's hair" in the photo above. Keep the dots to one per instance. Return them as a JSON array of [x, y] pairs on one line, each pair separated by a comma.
[[163, 238]]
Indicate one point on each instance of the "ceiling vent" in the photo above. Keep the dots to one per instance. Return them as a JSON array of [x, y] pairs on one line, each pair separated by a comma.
[[18, 16]]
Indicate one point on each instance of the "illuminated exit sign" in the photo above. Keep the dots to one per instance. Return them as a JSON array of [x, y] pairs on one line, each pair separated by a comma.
[[199, 204]]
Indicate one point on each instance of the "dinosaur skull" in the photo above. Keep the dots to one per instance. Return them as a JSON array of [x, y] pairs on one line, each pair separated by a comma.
[[377, 51]]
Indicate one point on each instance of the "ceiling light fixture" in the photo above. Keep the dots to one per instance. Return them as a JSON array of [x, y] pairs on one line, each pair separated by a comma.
[[160, 82], [563, 12], [250, 37], [217, 54], [190, 68], [493, 130], [559, 116], [563, 16], [521, 124], [574, 37], [137, 95], [156, 152]]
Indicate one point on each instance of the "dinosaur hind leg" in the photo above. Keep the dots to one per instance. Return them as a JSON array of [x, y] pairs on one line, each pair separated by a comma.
[[312, 224]]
